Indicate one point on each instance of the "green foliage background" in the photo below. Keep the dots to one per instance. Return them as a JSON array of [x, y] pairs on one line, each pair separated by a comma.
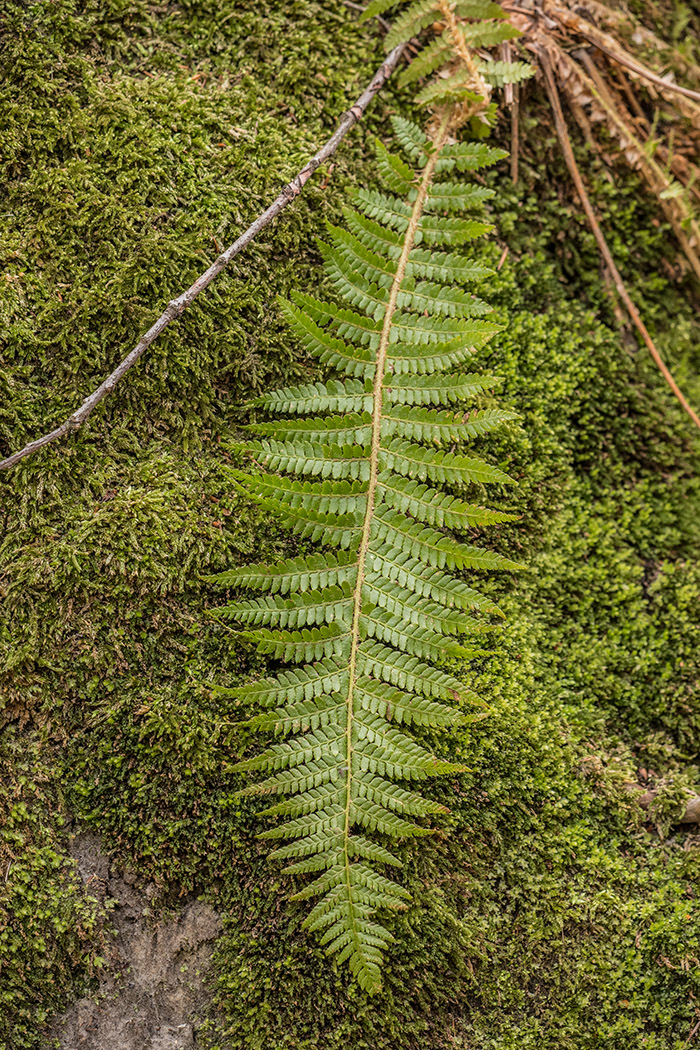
[[546, 914]]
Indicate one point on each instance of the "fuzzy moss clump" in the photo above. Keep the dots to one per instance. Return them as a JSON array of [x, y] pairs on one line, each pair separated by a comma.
[[51, 930], [546, 913]]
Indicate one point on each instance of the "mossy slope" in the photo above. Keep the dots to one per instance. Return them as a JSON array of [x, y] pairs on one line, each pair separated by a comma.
[[546, 914]]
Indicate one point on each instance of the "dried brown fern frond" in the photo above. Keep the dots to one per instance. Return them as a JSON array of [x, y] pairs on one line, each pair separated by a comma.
[[620, 78], [653, 120]]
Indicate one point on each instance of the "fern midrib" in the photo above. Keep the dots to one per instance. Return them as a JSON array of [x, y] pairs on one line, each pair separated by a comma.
[[462, 49], [377, 395]]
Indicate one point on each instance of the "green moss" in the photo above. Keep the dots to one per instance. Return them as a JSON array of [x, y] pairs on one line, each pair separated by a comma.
[[545, 914], [51, 929]]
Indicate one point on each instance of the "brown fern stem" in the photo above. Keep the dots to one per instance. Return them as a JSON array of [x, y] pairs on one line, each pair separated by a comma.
[[567, 150]]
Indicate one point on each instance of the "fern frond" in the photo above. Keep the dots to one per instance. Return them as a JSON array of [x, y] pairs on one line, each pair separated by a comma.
[[435, 507], [300, 646], [478, 9], [393, 171], [453, 196], [424, 424], [447, 266], [365, 463], [485, 33], [329, 497], [330, 430], [431, 547], [440, 300], [301, 610], [328, 676], [377, 7], [457, 88], [455, 232], [412, 139], [440, 586], [355, 361], [452, 65], [414, 461], [372, 234], [307, 458], [469, 156]]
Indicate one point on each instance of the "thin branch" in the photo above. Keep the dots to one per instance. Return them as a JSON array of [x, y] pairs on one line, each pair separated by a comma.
[[568, 152], [675, 208], [579, 115], [611, 47], [636, 67], [515, 134], [592, 10], [177, 306]]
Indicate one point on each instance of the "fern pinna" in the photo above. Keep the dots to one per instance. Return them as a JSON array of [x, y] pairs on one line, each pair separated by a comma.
[[359, 464]]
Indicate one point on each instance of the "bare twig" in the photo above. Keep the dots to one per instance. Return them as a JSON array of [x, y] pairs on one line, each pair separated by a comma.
[[515, 134], [571, 20], [599, 12], [177, 306], [584, 123], [618, 55], [511, 98], [675, 208], [568, 152]]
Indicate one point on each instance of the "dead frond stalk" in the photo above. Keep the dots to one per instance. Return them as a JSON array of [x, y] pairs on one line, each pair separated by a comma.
[[567, 150]]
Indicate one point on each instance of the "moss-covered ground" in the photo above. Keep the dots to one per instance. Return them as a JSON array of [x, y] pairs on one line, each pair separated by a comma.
[[547, 914]]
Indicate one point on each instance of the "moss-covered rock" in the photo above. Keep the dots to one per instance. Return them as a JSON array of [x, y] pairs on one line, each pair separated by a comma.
[[546, 914]]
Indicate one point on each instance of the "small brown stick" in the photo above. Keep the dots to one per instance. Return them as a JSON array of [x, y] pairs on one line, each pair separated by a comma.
[[512, 100], [632, 99], [676, 209], [568, 152], [584, 123], [636, 67], [611, 47], [177, 306], [624, 19], [515, 134]]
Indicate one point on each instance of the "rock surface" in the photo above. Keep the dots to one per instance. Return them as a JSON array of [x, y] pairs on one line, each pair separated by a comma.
[[152, 984]]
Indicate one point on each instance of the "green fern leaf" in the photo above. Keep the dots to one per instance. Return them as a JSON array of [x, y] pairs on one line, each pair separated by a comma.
[[369, 463], [296, 574], [395, 174], [436, 389], [377, 7]]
